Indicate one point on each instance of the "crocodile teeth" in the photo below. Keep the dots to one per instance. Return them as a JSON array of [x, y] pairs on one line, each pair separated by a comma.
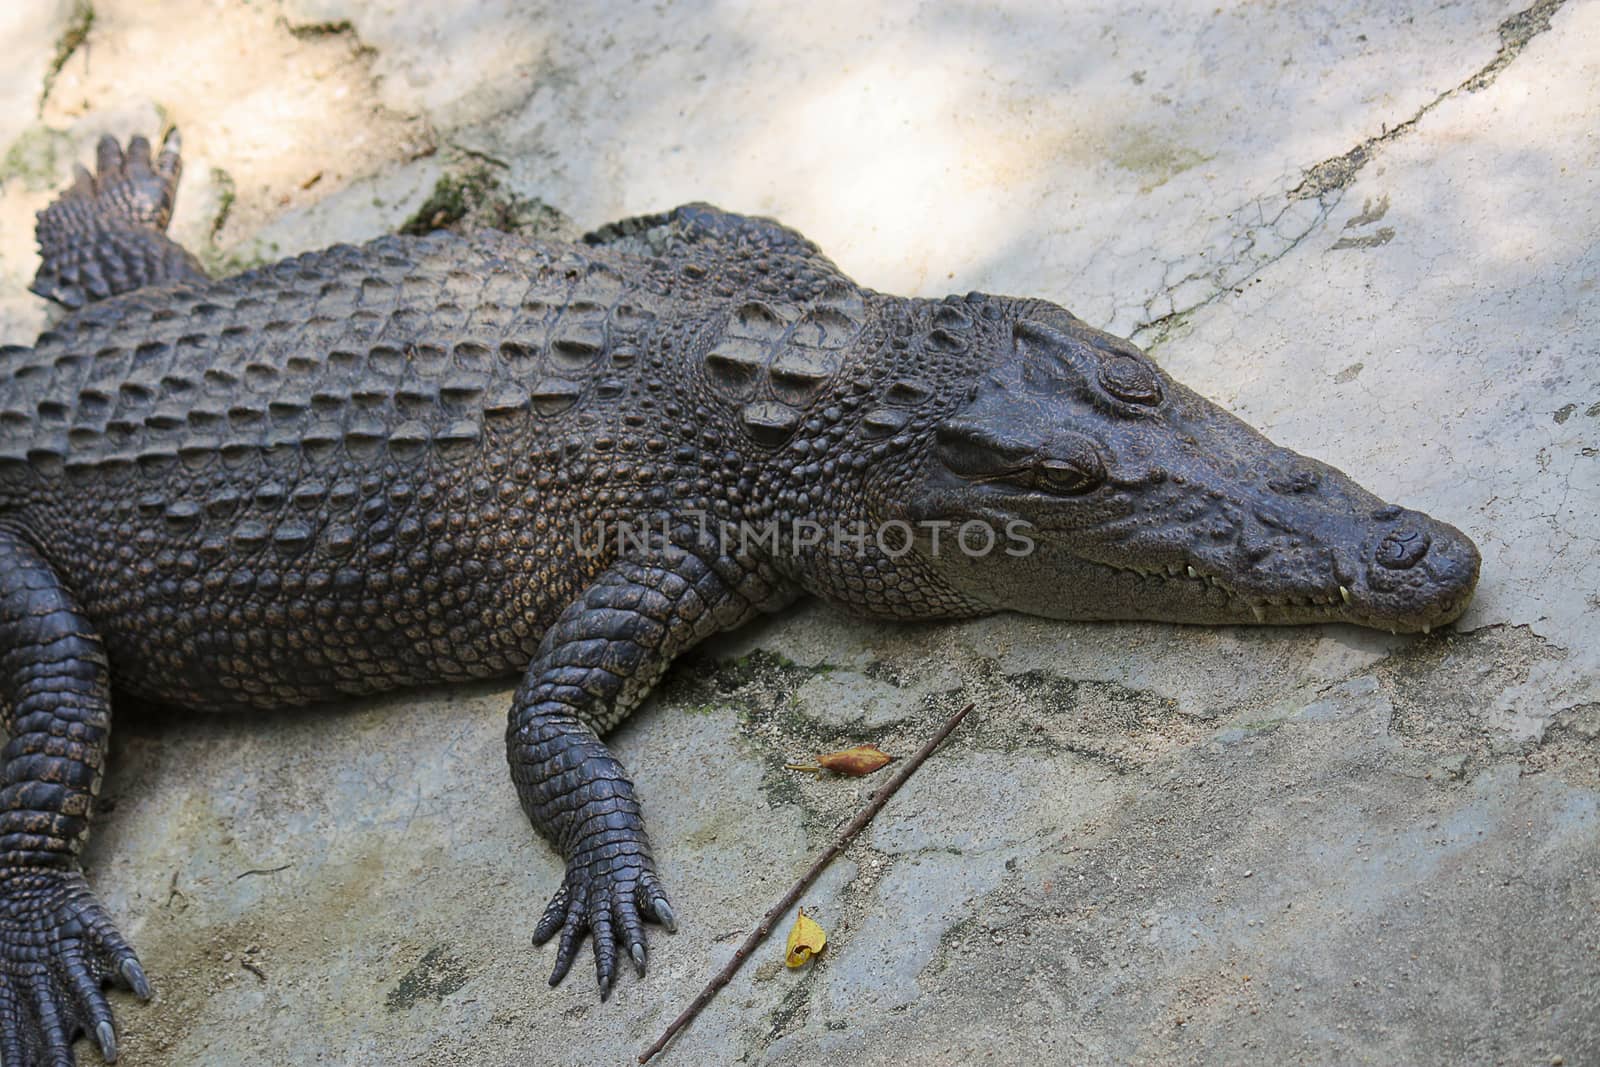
[[1427, 629], [1193, 573], [1255, 609], [1345, 595]]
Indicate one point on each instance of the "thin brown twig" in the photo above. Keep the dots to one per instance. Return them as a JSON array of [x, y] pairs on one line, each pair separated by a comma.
[[777, 911]]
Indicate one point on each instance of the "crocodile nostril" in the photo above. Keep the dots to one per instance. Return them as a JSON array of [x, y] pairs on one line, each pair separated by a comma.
[[1402, 548]]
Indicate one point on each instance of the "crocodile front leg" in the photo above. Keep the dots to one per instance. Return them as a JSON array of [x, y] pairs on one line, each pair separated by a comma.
[[594, 666], [57, 944]]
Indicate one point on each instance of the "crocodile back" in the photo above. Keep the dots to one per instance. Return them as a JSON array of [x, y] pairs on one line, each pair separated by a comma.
[[345, 357], [371, 467]]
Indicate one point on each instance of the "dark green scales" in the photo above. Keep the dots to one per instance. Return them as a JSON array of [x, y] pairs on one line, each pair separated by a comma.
[[367, 468]]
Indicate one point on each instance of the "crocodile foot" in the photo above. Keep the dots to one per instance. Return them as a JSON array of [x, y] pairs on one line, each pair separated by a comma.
[[611, 895], [103, 236], [58, 948]]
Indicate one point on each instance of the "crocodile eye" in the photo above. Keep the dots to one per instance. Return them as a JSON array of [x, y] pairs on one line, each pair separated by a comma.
[[1130, 379], [1070, 465], [1066, 478]]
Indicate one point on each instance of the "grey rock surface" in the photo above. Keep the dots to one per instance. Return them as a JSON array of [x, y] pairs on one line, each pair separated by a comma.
[[1368, 230]]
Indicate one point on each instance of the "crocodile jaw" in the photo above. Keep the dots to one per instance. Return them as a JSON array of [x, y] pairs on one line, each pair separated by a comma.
[[1147, 501]]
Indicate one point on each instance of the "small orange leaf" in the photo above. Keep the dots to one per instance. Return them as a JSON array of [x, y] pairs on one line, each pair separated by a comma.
[[863, 759], [806, 939]]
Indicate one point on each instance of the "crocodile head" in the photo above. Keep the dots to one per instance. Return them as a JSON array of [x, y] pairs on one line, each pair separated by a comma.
[[1117, 493]]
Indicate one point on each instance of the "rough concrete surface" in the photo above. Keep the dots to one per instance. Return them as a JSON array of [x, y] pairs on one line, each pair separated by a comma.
[[1370, 231]]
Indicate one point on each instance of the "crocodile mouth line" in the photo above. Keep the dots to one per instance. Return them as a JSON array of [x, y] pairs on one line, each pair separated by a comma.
[[1335, 608]]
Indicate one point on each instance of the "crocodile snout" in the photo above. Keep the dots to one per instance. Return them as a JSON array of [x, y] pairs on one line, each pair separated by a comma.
[[1420, 572], [1402, 548]]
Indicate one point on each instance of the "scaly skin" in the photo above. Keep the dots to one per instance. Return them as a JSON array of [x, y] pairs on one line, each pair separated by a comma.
[[419, 460]]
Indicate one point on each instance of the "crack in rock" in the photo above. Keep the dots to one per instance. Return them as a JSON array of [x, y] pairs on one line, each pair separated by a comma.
[[1515, 33], [73, 37], [1250, 239], [1264, 230]]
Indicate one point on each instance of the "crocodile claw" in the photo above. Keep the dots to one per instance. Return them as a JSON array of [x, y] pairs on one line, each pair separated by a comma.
[[662, 913], [58, 949], [610, 898], [132, 976], [105, 1035], [133, 186]]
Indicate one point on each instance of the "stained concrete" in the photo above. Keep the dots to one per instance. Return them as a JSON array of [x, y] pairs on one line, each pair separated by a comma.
[[1368, 230]]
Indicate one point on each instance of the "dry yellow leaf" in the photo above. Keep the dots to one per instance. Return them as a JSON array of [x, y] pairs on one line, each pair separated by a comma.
[[806, 939], [863, 759]]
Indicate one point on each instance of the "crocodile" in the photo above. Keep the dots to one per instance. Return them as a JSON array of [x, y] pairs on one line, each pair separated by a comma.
[[459, 456]]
